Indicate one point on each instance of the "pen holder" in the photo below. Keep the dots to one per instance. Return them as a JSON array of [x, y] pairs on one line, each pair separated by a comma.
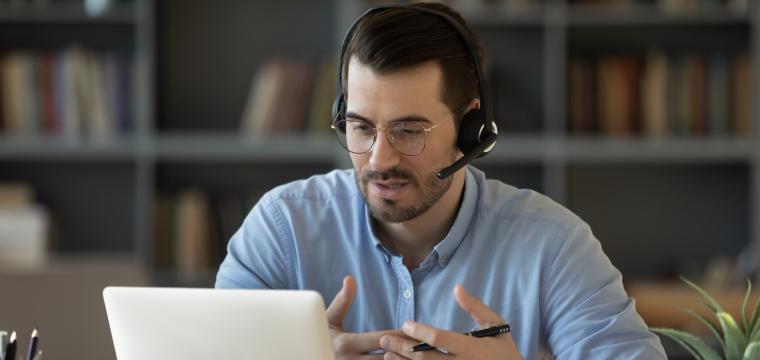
[[12, 349]]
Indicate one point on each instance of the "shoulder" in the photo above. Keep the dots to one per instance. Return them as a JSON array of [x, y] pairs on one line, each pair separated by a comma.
[[335, 185], [505, 202]]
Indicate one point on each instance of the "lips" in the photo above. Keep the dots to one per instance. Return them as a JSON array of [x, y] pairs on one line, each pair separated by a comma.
[[391, 190]]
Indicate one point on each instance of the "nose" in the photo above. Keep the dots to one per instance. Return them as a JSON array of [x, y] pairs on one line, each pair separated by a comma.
[[383, 156]]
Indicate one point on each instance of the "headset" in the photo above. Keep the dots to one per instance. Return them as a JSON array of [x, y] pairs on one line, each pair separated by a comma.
[[477, 129]]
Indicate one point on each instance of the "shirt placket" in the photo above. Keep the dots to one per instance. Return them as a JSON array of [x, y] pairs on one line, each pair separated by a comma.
[[405, 298]]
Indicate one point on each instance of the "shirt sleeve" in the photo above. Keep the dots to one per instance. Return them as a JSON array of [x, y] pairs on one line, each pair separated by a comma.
[[588, 313], [258, 254]]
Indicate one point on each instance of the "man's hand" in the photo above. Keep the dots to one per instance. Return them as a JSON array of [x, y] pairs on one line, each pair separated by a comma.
[[352, 345], [457, 345]]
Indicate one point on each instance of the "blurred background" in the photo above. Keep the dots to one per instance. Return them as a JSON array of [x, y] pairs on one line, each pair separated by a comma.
[[136, 135]]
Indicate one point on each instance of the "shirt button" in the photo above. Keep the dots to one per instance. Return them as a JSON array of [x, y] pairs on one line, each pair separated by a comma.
[[407, 294]]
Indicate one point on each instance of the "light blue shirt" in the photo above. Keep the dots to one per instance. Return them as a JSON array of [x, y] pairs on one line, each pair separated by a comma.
[[529, 259]]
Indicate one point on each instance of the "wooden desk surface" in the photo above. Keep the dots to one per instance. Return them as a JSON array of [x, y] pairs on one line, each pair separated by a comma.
[[660, 304]]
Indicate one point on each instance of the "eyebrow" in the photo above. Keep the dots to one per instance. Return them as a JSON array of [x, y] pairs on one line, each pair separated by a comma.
[[413, 117]]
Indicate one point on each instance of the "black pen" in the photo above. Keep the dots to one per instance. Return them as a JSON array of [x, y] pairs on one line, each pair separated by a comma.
[[3, 335], [33, 345], [492, 331], [10, 350]]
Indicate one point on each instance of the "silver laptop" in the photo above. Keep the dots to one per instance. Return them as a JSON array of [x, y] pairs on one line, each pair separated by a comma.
[[177, 323]]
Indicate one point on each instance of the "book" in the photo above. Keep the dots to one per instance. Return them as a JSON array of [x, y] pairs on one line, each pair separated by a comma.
[[281, 97], [660, 94], [323, 95], [741, 96], [698, 94], [654, 99], [682, 90], [581, 95], [70, 94], [718, 91], [261, 103], [192, 232], [617, 93]]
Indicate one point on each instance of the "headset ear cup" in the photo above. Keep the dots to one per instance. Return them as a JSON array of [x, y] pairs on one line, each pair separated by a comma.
[[490, 135], [469, 130]]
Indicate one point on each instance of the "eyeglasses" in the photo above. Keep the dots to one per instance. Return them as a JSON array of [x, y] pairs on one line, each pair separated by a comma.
[[358, 136]]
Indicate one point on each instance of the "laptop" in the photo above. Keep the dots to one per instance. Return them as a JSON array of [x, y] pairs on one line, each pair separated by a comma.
[[182, 323]]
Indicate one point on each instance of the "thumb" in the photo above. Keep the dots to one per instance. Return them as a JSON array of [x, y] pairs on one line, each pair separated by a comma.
[[341, 303], [479, 312]]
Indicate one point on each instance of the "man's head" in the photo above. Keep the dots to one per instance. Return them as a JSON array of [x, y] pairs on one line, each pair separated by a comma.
[[407, 66], [398, 38]]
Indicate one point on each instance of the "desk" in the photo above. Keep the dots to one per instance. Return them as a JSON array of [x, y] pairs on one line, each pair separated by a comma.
[[65, 301], [660, 303]]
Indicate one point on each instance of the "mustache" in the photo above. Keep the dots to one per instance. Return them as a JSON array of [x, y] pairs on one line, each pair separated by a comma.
[[394, 173]]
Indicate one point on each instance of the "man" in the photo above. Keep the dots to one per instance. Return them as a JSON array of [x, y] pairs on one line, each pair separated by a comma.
[[423, 258]]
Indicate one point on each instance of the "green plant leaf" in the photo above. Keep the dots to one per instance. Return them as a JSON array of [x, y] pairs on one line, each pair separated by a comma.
[[735, 340], [698, 348], [747, 330], [755, 335], [711, 303], [755, 315], [710, 325], [752, 352]]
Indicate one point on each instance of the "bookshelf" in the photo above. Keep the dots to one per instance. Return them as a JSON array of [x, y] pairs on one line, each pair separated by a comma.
[[660, 206], [187, 113]]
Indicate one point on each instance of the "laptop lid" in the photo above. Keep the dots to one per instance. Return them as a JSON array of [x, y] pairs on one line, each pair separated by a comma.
[[182, 323]]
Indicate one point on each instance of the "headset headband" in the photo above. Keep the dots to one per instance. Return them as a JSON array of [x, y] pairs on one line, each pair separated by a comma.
[[484, 105]]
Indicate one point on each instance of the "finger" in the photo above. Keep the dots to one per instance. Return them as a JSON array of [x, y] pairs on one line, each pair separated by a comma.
[[479, 312], [341, 303], [450, 341], [362, 343], [394, 356], [400, 345], [427, 355], [369, 357]]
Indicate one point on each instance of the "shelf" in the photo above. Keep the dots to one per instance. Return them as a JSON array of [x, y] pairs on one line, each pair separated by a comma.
[[65, 13], [504, 17], [600, 15], [596, 149], [509, 148], [642, 15], [710, 150], [12, 148], [233, 148], [59, 264]]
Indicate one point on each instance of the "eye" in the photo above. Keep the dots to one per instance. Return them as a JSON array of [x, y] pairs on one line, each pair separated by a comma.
[[410, 129], [360, 127]]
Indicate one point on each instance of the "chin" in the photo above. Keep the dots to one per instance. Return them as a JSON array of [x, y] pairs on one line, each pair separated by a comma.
[[391, 212], [420, 199]]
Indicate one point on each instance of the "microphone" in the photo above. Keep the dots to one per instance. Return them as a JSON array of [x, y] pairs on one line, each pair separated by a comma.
[[469, 156]]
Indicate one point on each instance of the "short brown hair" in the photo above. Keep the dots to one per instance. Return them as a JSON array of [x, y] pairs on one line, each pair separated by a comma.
[[398, 38]]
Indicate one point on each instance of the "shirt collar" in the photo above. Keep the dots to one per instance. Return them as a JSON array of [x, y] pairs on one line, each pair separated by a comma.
[[446, 248]]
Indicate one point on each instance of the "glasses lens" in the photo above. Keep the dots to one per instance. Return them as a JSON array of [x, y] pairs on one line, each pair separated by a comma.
[[356, 136], [407, 138]]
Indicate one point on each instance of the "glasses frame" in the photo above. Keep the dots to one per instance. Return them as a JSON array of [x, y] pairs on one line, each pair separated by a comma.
[[387, 137]]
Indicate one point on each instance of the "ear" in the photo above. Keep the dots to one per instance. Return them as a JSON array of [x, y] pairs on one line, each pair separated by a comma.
[[474, 104]]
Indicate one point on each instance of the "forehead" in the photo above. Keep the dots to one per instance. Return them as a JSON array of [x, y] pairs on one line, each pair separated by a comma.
[[385, 96]]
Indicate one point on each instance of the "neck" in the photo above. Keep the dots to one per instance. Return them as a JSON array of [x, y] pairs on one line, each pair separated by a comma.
[[414, 239]]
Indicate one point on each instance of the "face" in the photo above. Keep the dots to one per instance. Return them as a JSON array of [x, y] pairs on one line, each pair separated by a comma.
[[398, 187]]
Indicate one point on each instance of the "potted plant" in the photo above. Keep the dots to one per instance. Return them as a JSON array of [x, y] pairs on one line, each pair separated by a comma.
[[736, 343]]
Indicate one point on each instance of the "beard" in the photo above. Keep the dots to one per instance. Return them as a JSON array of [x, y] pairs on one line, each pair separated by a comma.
[[427, 192]]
